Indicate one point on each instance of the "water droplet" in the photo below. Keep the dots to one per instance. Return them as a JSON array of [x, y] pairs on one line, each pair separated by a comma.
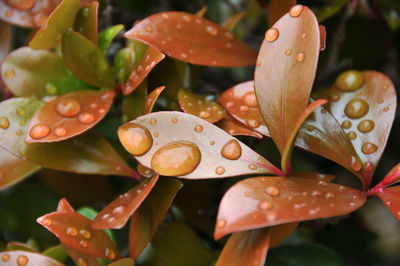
[[51, 88], [212, 30], [355, 165], [68, 107], [288, 52], [220, 170], [198, 128], [303, 35], [83, 243], [322, 183], [231, 150], [118, 210], [243, 108], [20, 111], [272, 191], [85, 234], [295, 11], [368, 166], [149, 28], [4, 123], [204, 114], [135, 138], [316, 193], [47, 222], [352, 135], [356, 108], [310, 128], [9, 73], [250, 99], [5, 257], [186, 18], [19, 132], [334, 97], [72, 231], [86, 118], [176, 158], [22, 260], [252, 123], [368, 148], [386, 109], [350, 80], [346, 124], [366, 126], [252, 167], [82, 262], [153, 122], [85, 11], [221, 223], [9, 13], [110, 254], [272, 34], [265, 205], [330, 195], [39, 131], [156, 134], [300, 57], [60, 131], [212, 143], [271, 216]]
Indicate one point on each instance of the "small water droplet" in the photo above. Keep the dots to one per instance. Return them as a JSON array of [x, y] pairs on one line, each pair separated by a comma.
[[149, 28], [4, 123], [352, 135], [22, 260], [9, 73], [39, 131], [300, 57], [258, 63], [5, 257], [295, 11], [47, 222], [68, 107], [272, 34], [288, 52], [204, 114], [316, 193], [60, 131], [386, 109], [252, 123], [212, 30], [221, 223], [51, 88], [20, 111], [83, 243], [118, 210], [231, 150], [156, 134], [366, 126], [86, 118], [322, 183], [310, 128], [82, 262], [72, 231], [198, 128], [220, 170], [350, 80], [186, 18], [252, 167], [265, 205], [385, 87], [212, 143], [19, 132], [272, 191], [368, 148], [153, 122], [230, 104], [109, 254], [334, 97], [9, 13], [243, 108], [356, 108], [303, 35], [271, 216], [368, 166], [85, 234], [174, 120], [135, 138], [355, 165], [346, 124], [247, 194]]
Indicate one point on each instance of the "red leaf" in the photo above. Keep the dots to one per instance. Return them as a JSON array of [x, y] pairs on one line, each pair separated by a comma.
[[280, 233], [179, 144], [322, 35], [18, 257], [150, 58], [116, 214], [69, 115], [75, 231], [152, 98], [64, 206], [391, 198], [285, 71], [80, 258], [192, 39], [235, 128], [266, 201], [392, 177], [315, 176]]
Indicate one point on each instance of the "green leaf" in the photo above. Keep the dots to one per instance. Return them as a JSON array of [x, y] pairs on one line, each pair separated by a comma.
[[107, 35], [124, 60], [86, 22], [56, 252], [329, 9]]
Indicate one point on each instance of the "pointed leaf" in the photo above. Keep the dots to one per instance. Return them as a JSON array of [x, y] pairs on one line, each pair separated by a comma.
[[201, 12], [285, 73], [146, 220], [75, 231], [85, 60], [14, 169], [192, 39], [245, 248], [86, 21], [35, 16], [315, 176], [265, 201], [124, 61], [18, 257], [116, 214], [391, 198], [392, 177], [123, 262], [278, 8], [69, 115], [27, 73], [364, 103], [203, 106], [235, 128], [60, 19], [231, 22], [80, 258], [179, 144], [107, 35], [150, 58], [64, 206], [151, 99]]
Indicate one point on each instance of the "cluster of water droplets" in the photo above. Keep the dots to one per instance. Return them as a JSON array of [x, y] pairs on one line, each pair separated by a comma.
[[245, 106]]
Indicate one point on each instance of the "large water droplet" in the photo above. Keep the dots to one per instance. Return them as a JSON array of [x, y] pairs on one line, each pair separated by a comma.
[[110, 254], [356, 108], [85, 234], [355, 164], [350, 80], [272, 34], [295, 11], [51, 88], [4, 123], [368, 148], [68, 107], [250, 99], [72, 231], [231, 150], [5, 257], [135, 138], [272, 191], [366, 126], [176, 158], [252, 123], [22, 260], [118, 210], [39, 131]]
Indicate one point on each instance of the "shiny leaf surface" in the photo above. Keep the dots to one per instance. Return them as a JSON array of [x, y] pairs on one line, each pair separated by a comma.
[[107, 35], [124, 60], [123, 262], [60, 19], [179, 144], [69, 115], [86, 22], [266, 201], [64, 206], [146, 220], [79, 257], [152, 98], [291, 44], [392, 177], [192, 39], [235, 128], [203, 106], [391, 198], [27, 73], [85, 60], [18, 257]]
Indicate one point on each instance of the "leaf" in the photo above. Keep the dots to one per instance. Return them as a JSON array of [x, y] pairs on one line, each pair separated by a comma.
[[202, 12], [35, 16], [203, 106], [151, 99], [235, 128], [192, 39], [178, 244], [5, 40], [322, 35], [150, 58], [285, 71], [28, 73], [148, 217], [133, 105], [278, 8], [124, 60], [88, 153], [19, 257], [123, 262], [116, 214], [107, 35], [14, 169], [391, 198], [187, 146], [86, 21], [315, 176], [64, 206], [326, 11], [56, 252], [391, 178], [69, 115], [19, 246], [266, 201], [245, 248], [60, 19], [281, 232], [364, 103], [85, 60], [75, 231], [231, 22], [80, 258]]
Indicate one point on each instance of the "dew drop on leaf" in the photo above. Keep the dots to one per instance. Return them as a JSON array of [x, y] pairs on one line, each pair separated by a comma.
[[300, 57], [86, 118], [355, 164], [4, 123], [68, 107], [85, 234], [198, 128], [366, 126], [109, 254], [265, 205], [22, 260], [135, 138], [9, 74], [272, 191], [20, 111], [5, 257], [39, 131], [356, 108], [221, 223], [350, 80], [60, 131], [272, 34], [220, 170], [72, 231], [368, 148], [250, 99], [346, 124], [288, 52], [352, 135], [231, 150], [295, 11]]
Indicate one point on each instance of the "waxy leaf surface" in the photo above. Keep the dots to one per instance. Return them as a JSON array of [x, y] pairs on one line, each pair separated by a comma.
[[107, 35], [392, 177], [391, 198], [87, 153], [85, 60], [116, 214], [150, 58], [14, 169], [80, 257], [235, 128], [197, 144], [28, 72], [86, 22], [124, 60], [245, 248], [64, 206], [266, 201], [146, 220], [75, 231], [192, 39], [203, 106], [18, 257], [69, 115], [151, 99], [34, 16], [285, 71], [364, 103], [60, 19]]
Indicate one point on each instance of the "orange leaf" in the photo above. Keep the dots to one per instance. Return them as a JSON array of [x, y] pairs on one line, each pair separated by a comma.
[[151, 99], [235, 128], [391, 198]]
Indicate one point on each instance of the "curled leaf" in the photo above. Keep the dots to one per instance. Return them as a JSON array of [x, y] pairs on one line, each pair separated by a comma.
[[107, 35], [86, 21], [19, 257], [235, 128], [192, 39], [152, 98]]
